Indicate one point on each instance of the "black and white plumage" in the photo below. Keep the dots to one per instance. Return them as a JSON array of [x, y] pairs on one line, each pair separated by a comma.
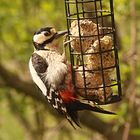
[[51, 74], [47, 66]]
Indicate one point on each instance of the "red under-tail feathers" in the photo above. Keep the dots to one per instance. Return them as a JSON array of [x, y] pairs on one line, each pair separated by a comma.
[[73, 104]]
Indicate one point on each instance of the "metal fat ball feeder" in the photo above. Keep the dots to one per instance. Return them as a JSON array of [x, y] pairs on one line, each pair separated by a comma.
[[93, 50]]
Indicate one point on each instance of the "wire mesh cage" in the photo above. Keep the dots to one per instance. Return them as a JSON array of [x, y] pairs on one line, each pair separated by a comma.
[[93, 50]]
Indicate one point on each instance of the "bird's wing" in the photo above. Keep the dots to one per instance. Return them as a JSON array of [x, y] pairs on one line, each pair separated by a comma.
[[38, 66]]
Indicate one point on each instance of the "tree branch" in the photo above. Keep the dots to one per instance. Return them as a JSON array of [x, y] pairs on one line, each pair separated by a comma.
[[12, 80], [87, 119]]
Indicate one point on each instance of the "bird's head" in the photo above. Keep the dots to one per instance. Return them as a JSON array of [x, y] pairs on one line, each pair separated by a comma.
[[45, 38]]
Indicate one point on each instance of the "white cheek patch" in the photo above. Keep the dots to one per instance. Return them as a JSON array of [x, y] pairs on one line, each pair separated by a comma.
[[39, 38]]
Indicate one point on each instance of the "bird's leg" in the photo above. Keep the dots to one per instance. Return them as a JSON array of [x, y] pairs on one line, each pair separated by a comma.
[[65, 44]]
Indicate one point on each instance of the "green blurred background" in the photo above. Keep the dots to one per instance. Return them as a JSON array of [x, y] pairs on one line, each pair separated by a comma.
[[24, 115]]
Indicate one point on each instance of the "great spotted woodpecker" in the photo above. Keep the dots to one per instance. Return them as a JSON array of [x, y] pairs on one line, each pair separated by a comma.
[[51, 73]]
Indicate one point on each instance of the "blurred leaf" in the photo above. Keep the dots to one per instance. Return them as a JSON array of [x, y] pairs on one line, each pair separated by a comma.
[[135, 131]]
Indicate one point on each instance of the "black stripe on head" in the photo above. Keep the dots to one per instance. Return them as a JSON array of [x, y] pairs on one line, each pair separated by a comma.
[[42, 45], [49, 40], [48, 29]]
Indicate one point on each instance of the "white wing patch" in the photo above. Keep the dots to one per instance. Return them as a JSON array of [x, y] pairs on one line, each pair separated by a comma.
[[37, 79]]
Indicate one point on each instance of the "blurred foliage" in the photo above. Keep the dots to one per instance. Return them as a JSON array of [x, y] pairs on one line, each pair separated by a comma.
[[20, 116]]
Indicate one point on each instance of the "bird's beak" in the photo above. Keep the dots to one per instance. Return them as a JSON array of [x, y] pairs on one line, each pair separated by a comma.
[[60, 33]]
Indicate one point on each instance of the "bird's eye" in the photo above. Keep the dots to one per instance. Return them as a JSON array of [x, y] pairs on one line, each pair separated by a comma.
[[47, 33]]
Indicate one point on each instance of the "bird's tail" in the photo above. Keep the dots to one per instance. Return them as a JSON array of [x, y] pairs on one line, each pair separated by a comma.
[[73, 105], [77, 105], [88, 105]]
